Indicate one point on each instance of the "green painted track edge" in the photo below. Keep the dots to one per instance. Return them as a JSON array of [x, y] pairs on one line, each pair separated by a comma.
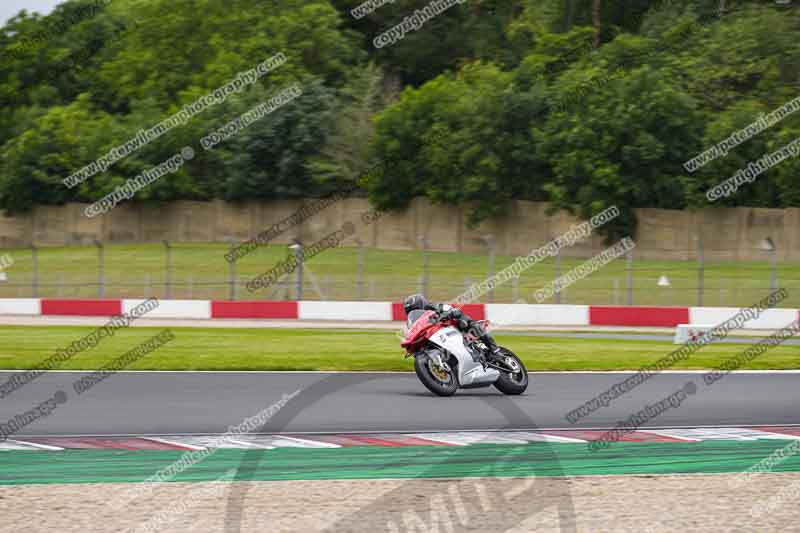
[[377, 462]]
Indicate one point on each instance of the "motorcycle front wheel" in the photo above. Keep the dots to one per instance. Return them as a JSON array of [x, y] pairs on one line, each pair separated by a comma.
[[515, 381], [439, 381]]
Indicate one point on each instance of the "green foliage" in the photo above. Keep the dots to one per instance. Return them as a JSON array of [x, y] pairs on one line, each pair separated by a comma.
[[348, 150], [607, 152], [497, 100], [150, 58], [269, 159], [606, 126], [458, 140]]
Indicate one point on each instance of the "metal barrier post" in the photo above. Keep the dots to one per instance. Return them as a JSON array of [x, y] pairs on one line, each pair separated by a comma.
[[701, 271], [168, 266], [629, 271], [35, 272], [101, 269]]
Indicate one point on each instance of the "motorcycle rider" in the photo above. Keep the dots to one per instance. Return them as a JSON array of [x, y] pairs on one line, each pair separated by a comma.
[[463, 321]]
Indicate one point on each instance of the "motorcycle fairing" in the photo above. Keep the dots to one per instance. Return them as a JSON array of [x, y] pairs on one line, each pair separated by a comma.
[[470, 372]]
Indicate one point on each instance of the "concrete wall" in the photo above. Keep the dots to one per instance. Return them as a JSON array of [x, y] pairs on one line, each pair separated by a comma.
[[727, 233]]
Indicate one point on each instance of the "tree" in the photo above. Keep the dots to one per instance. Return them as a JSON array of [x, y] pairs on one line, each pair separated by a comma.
[[461, 140], [536, 99], [138, 77], [607, 152], [348, 149], [596, 21]]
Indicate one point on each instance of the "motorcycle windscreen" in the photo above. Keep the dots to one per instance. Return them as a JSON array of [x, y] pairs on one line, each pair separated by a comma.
[[414, 315]]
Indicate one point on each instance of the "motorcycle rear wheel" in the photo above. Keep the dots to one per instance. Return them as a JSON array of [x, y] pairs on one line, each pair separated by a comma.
[[437, 380], [512, 383]]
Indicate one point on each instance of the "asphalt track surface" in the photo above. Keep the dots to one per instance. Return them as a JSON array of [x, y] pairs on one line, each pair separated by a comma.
[[171, 403]]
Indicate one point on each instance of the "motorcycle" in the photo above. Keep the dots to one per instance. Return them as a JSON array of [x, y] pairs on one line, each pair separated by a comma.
[[445, 359]]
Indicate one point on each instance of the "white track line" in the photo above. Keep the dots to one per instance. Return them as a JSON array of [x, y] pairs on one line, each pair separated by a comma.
[[407, 432], [433, 438], [665, 371], [314, 443], [364, 372], [175, 443], [221, 372], [251, 445], [37, 445]]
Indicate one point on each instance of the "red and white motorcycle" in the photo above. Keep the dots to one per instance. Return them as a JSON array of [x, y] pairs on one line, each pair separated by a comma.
[[445, 359]]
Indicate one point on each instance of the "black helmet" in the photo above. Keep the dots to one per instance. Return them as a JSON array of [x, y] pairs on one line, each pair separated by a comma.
[[413, 302]]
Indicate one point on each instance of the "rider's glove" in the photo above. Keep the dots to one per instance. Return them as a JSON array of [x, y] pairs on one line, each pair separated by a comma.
[[452, 314]]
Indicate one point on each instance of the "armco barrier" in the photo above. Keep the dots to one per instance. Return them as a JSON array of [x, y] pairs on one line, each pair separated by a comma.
[[499, 314], [345, 310], [173, 308], [254, 310], [81, 307], [540, 315], [667, 317], [769, 319], [20, 306], [476, 311]]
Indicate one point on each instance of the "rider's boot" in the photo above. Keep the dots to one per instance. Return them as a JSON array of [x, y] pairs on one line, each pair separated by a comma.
[[493, 348]]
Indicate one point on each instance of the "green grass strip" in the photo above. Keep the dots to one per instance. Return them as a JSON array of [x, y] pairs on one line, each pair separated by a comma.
[[23, 347], [372, 462]]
